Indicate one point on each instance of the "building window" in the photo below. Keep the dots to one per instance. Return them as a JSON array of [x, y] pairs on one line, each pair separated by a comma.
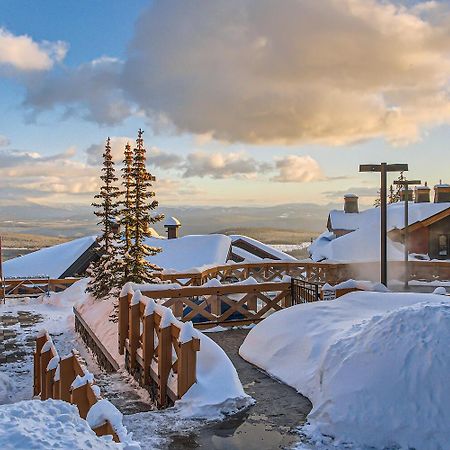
[[443, 245]]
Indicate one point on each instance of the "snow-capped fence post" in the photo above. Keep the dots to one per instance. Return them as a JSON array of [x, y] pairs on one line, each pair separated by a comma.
[[124, 302], [187, 364], [40, 341], [66, 376]]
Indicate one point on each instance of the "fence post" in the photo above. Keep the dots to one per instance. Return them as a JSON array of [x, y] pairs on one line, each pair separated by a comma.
[[49, 382], [177, 308], [148, 343], [134, 332], [215, 302], [164, 363], [252, 302], [66, 376], [79, 397], [187, 365], [45, 359], [40, 341], [124, 304]]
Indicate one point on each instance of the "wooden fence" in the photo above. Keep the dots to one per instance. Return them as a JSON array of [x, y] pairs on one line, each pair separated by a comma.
[[332, 273], [25, 287], [158, 353], [54, 376]]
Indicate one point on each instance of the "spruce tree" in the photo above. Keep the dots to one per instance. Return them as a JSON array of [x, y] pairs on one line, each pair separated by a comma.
[[139, 269], [103, 272]]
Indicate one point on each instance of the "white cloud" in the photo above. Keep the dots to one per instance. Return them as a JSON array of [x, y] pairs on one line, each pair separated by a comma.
[[334, 71], [297, 169], [22, 53], [4, 141], [223, 165]]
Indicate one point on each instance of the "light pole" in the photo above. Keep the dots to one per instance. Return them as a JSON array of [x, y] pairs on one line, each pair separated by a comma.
[[406, 184], [383, 168]]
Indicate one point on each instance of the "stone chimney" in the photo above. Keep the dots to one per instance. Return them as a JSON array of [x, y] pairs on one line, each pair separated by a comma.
[[422, 194], [441, 193], [351, 203], [172, 225]]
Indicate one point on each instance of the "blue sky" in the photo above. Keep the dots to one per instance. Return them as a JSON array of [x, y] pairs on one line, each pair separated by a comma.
[[234, 112]]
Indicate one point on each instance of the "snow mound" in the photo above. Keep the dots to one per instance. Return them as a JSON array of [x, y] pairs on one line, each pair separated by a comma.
[[50, 262], [374, 365], [35, 424], [386, 384], [6, 389]]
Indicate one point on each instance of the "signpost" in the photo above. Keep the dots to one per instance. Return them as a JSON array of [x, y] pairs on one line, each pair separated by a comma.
[[406, 184], [383, 168]]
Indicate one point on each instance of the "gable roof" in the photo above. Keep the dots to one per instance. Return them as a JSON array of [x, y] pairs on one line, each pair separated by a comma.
[[418, 212]]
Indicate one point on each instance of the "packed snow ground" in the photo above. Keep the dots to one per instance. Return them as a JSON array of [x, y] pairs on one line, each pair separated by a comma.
[[375, 366]]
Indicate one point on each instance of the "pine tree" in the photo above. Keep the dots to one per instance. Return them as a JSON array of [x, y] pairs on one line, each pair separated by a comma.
[[139, 269], [126, 216], [103, 272]]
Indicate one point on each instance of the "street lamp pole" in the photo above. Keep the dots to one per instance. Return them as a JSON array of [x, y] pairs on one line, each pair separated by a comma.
[[406, 184], [383, 168]]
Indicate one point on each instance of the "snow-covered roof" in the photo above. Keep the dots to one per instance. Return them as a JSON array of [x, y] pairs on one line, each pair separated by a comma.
[[265, 249], [192, 251], [363, 242], [51, 261], [172, 222], [341, 220]]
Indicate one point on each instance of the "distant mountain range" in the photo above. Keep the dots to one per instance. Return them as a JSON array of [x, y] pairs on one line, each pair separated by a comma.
[[78, 221]]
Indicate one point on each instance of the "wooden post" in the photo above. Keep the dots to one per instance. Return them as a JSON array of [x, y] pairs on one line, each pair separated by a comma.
[[149, 346], [134, 332], [177, 308], [252, 302], [183, 368], [40, 341], [164, 363], [66, 376], [124, 304], [215, 302], [105, 429], [45, 359], [79, 397], [57, 390], [49, 382]]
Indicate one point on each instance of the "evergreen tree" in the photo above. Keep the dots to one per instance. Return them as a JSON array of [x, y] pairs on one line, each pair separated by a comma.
[[139, 269], [103, 272], [126, 215]]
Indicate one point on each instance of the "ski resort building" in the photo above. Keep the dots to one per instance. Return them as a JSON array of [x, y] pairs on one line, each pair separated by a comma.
[[354, 236]]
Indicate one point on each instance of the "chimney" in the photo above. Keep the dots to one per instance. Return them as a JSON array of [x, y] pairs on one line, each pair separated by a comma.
[[422, 194], [171, 225], [441, 193], [351, 203], [403, 194]]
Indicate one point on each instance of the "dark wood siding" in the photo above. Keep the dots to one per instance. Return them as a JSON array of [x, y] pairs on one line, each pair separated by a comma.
[[435, 230]]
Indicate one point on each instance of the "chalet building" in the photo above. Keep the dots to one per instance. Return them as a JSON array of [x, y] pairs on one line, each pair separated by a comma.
[[428, 229]]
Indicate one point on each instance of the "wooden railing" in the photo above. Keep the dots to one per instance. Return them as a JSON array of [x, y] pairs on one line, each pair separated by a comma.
[[227, 305], [23, 287], [332, 273], [160, 351], [54, 378]]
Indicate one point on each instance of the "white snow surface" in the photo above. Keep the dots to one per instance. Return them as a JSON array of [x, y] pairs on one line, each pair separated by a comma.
[[51, 261], [43, 425], [363, 244], [192, 251], [375, 366]]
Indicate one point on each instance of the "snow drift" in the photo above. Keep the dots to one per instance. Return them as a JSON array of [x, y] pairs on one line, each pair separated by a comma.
[[36, 424], [374, 365]]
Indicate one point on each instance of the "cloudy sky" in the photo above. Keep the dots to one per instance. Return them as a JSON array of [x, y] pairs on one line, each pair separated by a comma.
[[242, 101]]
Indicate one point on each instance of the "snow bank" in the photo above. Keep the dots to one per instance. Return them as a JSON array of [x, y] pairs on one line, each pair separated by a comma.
[[265, 247], [6, 388], [374, 365], [51, 261], [35, 424], [356, 284]]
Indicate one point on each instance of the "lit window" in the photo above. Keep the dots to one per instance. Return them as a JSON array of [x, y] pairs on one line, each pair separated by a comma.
[[443, 245]]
